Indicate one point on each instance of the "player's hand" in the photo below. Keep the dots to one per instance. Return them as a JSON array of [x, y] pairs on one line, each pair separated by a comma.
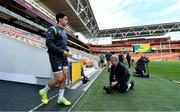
[[66, 54]]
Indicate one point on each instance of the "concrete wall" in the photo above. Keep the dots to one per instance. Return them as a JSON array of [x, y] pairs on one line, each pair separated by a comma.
[[19, 58]]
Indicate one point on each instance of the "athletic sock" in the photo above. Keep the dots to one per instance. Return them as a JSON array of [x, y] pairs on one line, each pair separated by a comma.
[[46, 89], [61, 93]]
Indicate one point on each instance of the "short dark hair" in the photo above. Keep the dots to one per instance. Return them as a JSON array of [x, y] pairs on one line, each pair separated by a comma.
[[60, 15]]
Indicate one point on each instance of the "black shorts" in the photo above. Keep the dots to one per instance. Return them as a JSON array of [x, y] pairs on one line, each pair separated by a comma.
[[58, 63]]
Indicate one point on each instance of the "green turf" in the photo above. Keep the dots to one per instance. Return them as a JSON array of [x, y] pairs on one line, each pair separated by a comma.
[[153, 94], [167, 69]]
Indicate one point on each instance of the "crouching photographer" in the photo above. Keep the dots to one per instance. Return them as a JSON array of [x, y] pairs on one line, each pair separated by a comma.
[[142, 67], [119, 77]]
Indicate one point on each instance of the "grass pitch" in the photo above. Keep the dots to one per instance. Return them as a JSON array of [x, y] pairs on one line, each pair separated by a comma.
[[149, 94]]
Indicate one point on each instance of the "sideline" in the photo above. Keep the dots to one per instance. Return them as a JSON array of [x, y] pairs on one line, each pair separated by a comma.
[[176, 81], [38, 106], [85, 89]]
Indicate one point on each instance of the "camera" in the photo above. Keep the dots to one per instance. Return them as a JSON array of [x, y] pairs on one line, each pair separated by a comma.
[[145, 59]]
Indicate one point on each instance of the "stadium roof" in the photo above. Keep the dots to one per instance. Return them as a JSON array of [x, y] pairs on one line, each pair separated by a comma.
[[82, 19], [80, 15], [140, 31]]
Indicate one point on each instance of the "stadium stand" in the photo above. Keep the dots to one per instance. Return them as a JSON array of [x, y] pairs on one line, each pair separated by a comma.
[[161, 48], [23, 29], [38, 41], [22, 35]]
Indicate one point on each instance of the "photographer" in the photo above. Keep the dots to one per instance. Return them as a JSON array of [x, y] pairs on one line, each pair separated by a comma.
[[128, 58], [119, 77], [140, 67], [121, 57]]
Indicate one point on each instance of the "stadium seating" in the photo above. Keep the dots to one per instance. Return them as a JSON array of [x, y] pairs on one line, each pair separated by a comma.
[[157, 56], [22, 36], [38, 41], [157, 45], [86, 62]]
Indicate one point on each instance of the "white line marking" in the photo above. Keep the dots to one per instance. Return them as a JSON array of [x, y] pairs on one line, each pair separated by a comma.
[[92, 81], [38, 106], [85, 89], [176, 81]]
